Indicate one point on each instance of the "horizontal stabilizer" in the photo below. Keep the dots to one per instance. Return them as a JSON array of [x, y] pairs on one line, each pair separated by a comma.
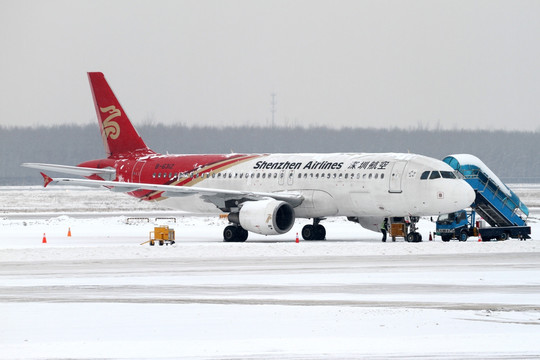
[[106, 174]]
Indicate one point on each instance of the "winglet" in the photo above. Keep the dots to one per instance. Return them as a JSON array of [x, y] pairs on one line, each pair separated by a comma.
[[46, 179]]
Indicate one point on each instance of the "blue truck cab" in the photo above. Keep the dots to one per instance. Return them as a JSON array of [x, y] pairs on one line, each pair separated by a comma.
[[459, 225]]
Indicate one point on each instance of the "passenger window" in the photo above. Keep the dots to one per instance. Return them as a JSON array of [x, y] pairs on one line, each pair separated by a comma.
[[376, 175], [382, 176], [154, 175], [424, 175], [370, 176], [434, 175]]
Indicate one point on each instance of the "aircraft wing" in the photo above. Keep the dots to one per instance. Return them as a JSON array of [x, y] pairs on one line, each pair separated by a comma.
[[215, 196], [106, 173]]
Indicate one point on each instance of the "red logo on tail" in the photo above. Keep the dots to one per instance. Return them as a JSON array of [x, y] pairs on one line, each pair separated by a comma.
[[112, 129]]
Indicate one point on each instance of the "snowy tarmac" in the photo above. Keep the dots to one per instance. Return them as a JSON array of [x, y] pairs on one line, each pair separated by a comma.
[[101, 295]]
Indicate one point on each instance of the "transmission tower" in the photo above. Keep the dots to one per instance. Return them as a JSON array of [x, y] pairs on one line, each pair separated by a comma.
[[273, 104]]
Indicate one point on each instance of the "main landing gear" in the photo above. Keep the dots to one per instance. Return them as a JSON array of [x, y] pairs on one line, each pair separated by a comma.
[[235, 233], [315, 231]]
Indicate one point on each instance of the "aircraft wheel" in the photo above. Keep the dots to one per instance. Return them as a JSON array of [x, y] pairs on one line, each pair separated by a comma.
[[320, 232], [414, 237], [229, 234], [242, 234], [308, 232]]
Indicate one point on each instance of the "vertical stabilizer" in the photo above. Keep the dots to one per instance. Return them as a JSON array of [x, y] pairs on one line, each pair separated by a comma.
[[118, 134]]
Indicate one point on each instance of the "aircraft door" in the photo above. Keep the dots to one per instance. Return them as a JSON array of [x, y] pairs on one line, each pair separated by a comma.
[[290, 177], [137, 171], [281, 180], [396, 177]]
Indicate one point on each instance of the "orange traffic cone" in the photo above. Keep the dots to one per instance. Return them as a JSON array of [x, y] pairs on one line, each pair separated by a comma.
[[430, 237], [44, 241], [69, 232], [479, 237], [297, 241]]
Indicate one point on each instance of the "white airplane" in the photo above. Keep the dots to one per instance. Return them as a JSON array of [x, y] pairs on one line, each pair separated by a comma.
[[265, 193]]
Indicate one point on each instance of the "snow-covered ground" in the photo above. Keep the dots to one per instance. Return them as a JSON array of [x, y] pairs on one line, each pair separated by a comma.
[[100, 294]]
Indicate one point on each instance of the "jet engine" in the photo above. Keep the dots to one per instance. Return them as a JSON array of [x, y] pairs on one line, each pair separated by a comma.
[[265, 217]]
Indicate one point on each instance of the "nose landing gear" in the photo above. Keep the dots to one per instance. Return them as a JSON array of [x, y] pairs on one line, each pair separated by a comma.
[[413, 235]]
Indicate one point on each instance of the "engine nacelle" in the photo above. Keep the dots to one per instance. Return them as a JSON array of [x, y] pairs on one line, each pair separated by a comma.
[[265, 217]]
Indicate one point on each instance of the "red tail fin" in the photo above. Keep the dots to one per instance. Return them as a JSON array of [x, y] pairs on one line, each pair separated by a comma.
[[118, 134], [46, 179]]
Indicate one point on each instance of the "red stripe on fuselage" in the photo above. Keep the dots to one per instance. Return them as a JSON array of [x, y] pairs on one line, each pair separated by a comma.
[[200, 171]]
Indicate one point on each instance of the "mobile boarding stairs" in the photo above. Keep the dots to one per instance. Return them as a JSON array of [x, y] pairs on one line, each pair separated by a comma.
[[499, 206]]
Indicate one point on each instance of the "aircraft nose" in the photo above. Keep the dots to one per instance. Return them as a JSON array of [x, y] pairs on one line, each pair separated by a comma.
[[465, 195]]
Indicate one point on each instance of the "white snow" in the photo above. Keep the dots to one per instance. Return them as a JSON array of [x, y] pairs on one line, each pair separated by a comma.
[[468, 159], [100, 294]]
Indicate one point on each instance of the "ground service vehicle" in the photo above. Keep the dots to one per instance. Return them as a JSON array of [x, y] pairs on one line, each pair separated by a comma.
[[461, 224], [499, 206]]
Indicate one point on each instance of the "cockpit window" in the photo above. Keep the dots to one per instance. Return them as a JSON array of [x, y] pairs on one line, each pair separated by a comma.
[[434, 175], [424, 175], [448, 175]]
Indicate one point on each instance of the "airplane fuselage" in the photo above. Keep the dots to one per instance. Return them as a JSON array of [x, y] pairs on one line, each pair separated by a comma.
[[338, 184]]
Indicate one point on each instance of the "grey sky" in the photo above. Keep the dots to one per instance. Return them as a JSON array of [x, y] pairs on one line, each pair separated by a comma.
[[459, 64]]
